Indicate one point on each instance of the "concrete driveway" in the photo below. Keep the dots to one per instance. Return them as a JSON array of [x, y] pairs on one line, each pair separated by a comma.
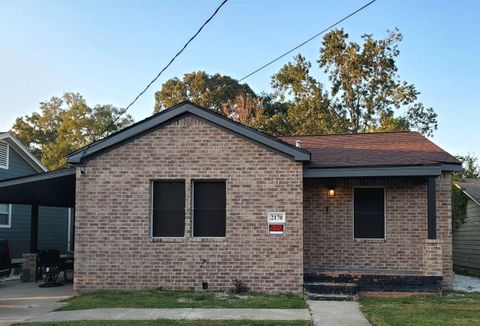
[[22, 301]]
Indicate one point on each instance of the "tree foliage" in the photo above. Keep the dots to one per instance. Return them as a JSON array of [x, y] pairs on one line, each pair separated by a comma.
[[217, 92], [459, 206], [63, 125], [471, 168], [365, 91], [306, 106]]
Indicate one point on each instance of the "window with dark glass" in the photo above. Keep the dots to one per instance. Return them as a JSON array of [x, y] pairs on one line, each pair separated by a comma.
[[168, 216], [369, 213], [209, 208]]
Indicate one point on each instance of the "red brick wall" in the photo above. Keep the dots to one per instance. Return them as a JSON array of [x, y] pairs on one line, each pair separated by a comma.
[[328, 236], [113, 249]]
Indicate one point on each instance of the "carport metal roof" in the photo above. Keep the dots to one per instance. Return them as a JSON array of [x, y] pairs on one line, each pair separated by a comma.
[[55, 188]]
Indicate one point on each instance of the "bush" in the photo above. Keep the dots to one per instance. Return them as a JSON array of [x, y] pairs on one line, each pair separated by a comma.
[[239, 287]]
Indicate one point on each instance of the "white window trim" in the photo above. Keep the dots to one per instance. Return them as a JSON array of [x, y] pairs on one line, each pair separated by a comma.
[[8, 156], [384, 214], [9, 225], [192, 196]]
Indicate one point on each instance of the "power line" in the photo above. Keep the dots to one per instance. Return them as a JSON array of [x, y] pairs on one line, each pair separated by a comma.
[[122, 112], [308, 40]]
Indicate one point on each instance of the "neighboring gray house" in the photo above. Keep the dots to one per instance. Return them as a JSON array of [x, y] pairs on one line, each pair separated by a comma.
[[54, 223], [466, 238]]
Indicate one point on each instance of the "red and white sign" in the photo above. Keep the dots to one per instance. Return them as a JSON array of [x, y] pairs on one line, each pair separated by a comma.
[[276, 223]]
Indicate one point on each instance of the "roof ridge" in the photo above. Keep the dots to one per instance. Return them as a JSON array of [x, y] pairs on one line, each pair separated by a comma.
[[358, 133]]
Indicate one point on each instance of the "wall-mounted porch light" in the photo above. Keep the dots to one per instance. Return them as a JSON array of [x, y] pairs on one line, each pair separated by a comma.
[[331, 191]]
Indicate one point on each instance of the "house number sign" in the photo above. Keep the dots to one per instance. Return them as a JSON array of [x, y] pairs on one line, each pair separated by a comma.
[[276, 223]]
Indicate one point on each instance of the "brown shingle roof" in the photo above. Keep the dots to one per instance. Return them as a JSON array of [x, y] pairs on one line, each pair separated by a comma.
[[372, 149], [471, 187]]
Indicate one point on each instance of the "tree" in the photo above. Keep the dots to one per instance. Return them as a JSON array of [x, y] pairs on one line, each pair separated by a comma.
[[242, 108], [217, 92], [65, 124], [300, 104], [365, 91], [365, 81], [471, 168]]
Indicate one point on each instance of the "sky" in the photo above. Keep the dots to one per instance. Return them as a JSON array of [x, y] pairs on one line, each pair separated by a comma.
[[109, 50]]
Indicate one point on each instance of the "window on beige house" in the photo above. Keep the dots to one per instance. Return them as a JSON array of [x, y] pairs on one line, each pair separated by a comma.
[[369, 213], [209, 208], [168, 208]]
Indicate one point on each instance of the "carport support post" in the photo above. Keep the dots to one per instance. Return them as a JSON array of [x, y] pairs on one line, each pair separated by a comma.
[[34, 229], [29, 273]]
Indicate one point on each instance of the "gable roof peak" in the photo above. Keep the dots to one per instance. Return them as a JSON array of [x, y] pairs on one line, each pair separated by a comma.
[[176, 111], [23, 151]]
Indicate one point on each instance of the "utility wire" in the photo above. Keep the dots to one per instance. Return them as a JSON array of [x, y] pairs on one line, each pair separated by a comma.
[[122, 112], [308, 40]]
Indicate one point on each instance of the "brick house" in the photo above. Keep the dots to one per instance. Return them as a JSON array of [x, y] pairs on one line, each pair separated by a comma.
[[188, 199]]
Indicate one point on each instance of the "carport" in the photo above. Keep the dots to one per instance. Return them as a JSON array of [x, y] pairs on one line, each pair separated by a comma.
[[55, 188]]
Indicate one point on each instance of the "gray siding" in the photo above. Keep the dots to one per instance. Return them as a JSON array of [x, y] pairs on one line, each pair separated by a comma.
[[17, 166], [466, 239], [19, 232], [53, 228]]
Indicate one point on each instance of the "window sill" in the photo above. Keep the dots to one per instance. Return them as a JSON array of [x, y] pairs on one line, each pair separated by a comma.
[[369, 240], [208, 239], [188, 239], [168, 239]]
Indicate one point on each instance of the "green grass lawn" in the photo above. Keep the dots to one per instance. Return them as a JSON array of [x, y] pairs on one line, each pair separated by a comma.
[[181, 299], [450, 309], [175, 323]]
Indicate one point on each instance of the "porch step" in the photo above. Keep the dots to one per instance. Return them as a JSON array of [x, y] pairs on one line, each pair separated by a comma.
[[330, 286], [329, 277], [331, 297], [349, 288]]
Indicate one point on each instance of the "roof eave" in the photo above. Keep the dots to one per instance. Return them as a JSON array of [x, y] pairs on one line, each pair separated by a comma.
[[373, 171], [450, 167], [37, 177]]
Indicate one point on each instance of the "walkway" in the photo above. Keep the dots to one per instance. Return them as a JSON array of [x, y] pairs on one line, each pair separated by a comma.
[[323, 313], [183, 313], [333, 313]]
